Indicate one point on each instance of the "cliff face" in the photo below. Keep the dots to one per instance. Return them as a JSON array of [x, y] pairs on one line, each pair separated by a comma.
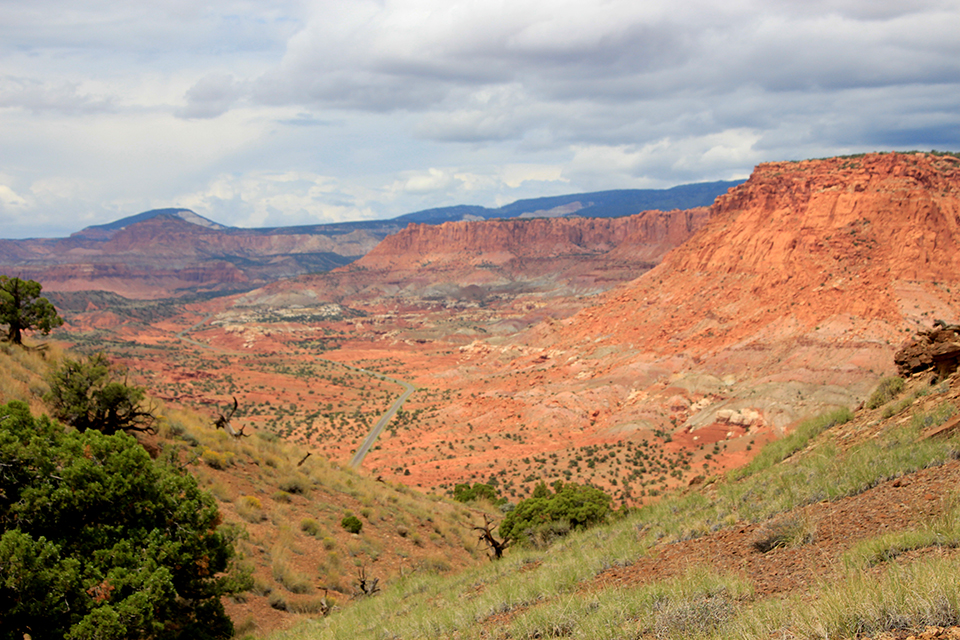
[[646, 236], [874, 238], [493, 262], [791, 299]]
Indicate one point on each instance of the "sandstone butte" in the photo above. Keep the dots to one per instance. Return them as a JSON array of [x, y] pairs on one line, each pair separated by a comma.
[[646, 236], [872, 241]]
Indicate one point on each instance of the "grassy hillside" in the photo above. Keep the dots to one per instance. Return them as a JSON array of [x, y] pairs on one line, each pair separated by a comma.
[[289, 510], [847, 529]]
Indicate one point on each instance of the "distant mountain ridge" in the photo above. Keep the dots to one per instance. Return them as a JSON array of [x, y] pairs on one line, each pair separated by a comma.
[[106, 230], [599, 204], [174, 251]]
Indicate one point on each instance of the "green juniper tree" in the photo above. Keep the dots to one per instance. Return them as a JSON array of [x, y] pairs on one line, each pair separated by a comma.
[[22, 309], [548, 515], [99, 541], [85, 395]]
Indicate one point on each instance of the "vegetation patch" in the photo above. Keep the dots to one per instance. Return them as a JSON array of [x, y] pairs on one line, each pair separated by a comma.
[[781, 449], [792, 531], [887, 390]]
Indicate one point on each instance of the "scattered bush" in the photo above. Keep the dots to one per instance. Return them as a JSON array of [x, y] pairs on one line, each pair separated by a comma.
[[288, 577], [789, 532], [934, 417], [85, 395], [278, 602], [293, 484], [310, 526], [572, 506], [216, 460], [249, 508], [479, 491], [887, 390], [351, 523]]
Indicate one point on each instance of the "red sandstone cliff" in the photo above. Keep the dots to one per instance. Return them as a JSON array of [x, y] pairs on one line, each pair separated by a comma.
[[495, 261], [646, 236], [790, 300], [874, 238]]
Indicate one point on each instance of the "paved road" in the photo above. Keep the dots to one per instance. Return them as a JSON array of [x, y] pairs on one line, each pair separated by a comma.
[[371, 438], [408, 390]]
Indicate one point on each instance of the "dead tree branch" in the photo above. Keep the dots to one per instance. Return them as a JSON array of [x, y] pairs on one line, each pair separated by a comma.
[[487, 537], [366, 587], [223, 422]]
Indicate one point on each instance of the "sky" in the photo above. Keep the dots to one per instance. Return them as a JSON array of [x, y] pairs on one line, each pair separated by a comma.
[[280, 112]]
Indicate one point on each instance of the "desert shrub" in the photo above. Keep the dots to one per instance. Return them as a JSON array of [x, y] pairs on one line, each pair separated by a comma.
[[788, 532], [572, 506], [479, 491], [293, 484], [893, 409], [887, 390], [250, 509], [435, 564], [98, 540], [351, 523], [215, 459], [278, 602], [934, 417], [692, 617], [288, 577], [310, 526], [313, 605]]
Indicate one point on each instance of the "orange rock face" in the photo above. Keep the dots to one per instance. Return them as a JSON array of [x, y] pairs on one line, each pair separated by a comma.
[[643, 237], [790, 300], [494, 261], [875, 238]]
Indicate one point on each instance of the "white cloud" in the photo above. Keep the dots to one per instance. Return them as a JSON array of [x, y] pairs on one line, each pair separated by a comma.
[[381, 107]]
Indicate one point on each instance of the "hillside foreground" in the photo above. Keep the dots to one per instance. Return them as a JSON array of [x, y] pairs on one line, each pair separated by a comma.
[[853, 534]]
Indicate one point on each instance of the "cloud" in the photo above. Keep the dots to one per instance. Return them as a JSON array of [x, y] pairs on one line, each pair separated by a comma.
[[381, 107], [211, 96], [40, 96]]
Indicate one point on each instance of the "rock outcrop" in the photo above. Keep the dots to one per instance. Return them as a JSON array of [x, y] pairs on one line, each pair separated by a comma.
[[492, 262], [645, 237], [937, 349]]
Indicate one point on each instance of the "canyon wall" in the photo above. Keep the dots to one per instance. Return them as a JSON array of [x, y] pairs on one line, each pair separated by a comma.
[[646, 236]]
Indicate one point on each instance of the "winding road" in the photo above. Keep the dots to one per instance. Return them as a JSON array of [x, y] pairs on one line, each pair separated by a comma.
[[377, 429]]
